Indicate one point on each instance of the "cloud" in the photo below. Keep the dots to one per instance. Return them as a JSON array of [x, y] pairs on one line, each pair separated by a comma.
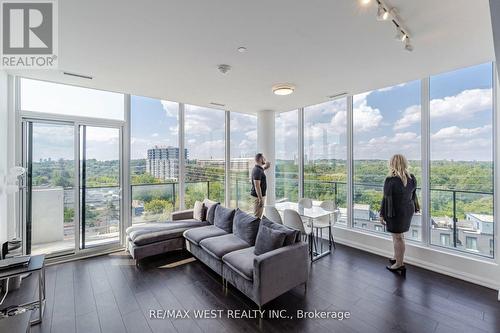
[[171, 108], [463, 105], [391, 87], [242, 122], [203, 121], [411, 115], [252, 135], [407, 143], [455, 143], [365, 118], [456, 133]]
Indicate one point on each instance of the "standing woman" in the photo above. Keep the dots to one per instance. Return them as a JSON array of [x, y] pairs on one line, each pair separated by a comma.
[[398, 206]]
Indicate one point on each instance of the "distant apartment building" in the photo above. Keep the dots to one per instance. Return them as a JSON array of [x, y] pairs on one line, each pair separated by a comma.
[[163, 162], [236, 164]]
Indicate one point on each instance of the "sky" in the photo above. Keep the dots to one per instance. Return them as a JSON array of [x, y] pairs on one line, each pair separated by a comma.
[[155, 122], [386, 121]]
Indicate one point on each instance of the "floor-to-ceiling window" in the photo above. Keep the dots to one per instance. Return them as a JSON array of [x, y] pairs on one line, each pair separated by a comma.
[[243, 136], [71, 147], [154, 158], [286, 150], [205, 164], [385, 122], [325, 153], [461, 154]]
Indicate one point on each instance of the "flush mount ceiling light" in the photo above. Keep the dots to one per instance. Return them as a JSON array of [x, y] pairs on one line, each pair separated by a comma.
[[283, 89], [387, 13], [242, 49]]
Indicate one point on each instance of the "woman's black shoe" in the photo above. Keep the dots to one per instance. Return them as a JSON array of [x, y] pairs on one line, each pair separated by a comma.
[[392, 261], [401, 270]]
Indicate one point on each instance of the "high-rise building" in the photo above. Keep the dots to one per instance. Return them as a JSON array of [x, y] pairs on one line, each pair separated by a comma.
[[163, 162]]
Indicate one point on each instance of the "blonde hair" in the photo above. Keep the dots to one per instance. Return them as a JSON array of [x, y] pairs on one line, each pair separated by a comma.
[[398, 167]]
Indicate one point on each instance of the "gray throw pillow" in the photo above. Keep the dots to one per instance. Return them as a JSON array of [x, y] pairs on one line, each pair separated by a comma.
[[268, 239], [199, 211], [224, 218], [245, 226], [210, 206], [291, 235]]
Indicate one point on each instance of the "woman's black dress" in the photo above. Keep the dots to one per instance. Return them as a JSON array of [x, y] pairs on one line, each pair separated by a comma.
[[399, 203]]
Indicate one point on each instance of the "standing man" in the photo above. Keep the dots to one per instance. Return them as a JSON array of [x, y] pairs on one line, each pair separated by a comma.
[[259, 184]]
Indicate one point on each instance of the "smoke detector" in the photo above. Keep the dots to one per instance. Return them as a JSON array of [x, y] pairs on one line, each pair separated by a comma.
[[223, 68]]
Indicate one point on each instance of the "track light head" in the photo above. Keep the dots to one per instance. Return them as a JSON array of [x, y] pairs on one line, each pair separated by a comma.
[[381, 12], [408, 46], [399, 34]]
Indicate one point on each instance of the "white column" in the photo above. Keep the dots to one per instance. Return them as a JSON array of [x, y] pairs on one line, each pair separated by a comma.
[[227, 169], [265, 145]]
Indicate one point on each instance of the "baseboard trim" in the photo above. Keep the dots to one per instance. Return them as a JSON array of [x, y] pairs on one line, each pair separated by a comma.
[[488, 283]]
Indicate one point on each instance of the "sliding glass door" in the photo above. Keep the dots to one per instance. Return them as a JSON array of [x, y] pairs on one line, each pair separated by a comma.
[[72, 189], [49, 205], [100, 185]]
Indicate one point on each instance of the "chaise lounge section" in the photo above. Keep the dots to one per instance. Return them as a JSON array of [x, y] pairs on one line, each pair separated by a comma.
[[149, 239]]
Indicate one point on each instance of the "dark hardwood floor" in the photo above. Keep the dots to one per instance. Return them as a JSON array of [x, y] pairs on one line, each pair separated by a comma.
[[110, 294]]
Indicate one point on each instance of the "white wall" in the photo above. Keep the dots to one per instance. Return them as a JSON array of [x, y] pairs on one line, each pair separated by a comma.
[[475, 270], [3, 152]]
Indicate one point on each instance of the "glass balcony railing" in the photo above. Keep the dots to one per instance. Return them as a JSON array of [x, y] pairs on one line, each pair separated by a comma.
[[460, 219]]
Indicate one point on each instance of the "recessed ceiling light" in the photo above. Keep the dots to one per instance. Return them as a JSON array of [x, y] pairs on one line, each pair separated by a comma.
[[365, 2], [242, 49], [283, 89]]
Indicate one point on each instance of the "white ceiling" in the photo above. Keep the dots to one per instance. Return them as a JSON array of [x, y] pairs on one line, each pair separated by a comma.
[[171, 49]]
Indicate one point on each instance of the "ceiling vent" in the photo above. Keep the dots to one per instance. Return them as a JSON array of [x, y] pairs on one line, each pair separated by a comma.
[[81, 76]]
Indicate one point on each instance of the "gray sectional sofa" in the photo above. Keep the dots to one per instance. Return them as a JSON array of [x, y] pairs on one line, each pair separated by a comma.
[[260, 258], [231, 254]]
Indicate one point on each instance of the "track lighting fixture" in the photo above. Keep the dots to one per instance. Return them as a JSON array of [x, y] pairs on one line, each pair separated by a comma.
[[387, 13]]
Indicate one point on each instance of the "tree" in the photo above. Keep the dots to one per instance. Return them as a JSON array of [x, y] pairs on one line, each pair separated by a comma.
[[158, 206], [69, 214]]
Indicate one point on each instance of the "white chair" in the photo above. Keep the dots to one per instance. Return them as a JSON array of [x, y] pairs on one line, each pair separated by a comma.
[[272, 214], [292, 220], [305, 202], [330, 206]]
